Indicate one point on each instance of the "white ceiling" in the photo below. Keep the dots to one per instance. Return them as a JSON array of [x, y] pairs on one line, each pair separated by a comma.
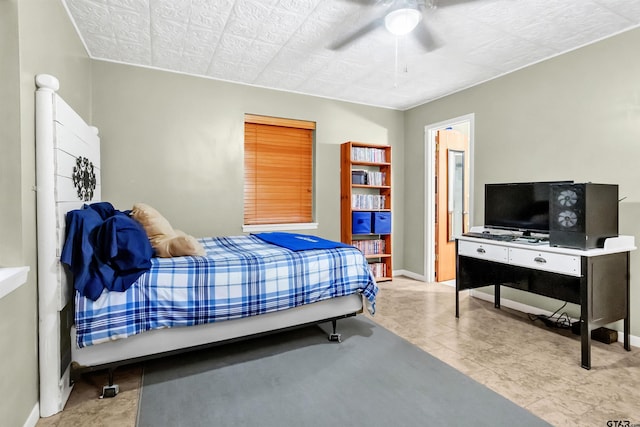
[[285, 44]]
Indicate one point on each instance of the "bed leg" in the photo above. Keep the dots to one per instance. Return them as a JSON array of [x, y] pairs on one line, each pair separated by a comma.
[[335, 336], [112, 389]]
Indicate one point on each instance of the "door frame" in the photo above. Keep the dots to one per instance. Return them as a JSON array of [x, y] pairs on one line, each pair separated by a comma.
[[430, 132]]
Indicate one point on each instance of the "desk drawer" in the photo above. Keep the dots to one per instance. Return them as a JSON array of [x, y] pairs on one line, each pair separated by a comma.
[[483, 251], [546, 261]]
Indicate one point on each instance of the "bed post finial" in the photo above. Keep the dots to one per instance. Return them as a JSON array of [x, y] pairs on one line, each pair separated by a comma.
[[47, 81]]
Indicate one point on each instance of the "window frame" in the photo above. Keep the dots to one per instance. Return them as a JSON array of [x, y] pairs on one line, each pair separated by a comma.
[[290, 123]]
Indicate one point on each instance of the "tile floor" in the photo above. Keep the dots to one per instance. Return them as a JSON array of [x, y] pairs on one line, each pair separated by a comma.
[[534, 366]]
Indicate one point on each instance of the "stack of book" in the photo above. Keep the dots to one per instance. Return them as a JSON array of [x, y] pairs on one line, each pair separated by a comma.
[[367, 201], [376, 178], [370, 247], [371, 155], [378, 269]]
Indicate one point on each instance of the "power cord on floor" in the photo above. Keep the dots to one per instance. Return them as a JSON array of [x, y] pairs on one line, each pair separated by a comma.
[[561, 321]]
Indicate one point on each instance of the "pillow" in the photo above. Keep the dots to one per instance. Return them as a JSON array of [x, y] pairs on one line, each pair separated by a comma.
[[166, 241], [156, 226], [180, 245]]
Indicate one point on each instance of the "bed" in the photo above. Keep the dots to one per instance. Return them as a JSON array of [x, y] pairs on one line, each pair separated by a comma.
[[78, 333]]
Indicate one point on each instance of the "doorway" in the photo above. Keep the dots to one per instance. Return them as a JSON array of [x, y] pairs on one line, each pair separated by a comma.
[[448, 192]]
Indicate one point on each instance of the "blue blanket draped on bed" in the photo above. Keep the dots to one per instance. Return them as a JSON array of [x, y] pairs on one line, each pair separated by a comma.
[[299, 242], [104, 248]]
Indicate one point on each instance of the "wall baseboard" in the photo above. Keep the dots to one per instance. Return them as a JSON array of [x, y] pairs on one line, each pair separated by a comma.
[[34, 416], [410, 275]]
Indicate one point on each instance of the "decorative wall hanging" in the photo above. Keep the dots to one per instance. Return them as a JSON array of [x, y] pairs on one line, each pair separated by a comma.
[[84, 178]]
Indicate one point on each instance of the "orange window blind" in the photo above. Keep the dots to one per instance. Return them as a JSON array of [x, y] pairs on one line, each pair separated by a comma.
[[278, 171]]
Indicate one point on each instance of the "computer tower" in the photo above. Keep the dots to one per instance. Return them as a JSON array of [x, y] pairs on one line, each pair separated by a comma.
[[582, 216]]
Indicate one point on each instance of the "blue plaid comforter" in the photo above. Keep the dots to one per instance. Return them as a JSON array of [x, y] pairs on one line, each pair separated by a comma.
[[240, 276]]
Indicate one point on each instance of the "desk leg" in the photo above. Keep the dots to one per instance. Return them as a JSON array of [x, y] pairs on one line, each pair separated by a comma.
[[496, 296], [627, 344], [585, 332], [585, 341], [627, 322]]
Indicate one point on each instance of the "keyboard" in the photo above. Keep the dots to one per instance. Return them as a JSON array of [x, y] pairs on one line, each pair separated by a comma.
[[501, 237]]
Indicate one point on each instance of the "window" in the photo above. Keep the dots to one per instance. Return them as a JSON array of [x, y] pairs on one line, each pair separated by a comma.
[[278, 171]]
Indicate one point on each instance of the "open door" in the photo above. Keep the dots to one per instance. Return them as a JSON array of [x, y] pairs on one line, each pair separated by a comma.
[[451, 199]]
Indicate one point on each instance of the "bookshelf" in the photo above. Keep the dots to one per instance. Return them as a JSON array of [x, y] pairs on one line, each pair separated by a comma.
[[365, 195]]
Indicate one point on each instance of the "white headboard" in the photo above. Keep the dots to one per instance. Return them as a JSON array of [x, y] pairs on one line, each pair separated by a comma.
[[67, 176]]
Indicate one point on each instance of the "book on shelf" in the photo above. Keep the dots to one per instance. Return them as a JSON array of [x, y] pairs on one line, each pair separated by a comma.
[[370, 247], [370, 155], [378, 269], [376, 178], [367, 201]]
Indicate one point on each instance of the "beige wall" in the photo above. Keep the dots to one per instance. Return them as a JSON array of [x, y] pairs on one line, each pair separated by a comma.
[[176, 142], [576, 116], [35, 37], [17, 326], [9, 134]]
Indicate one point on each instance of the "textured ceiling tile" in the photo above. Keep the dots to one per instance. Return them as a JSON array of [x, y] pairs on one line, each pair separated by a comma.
[[285, 44], [281, 28], [626, 8], [232, 72], [227, 55], [102, 47], [246, 73], [93, 19], [172, 10], [131, 25], [297, 62], [200, 40], [500, 54], [284, 79], [336, 12], [134, 53], [247, 17], [345, 69], [232, 46], [316, 85], [211, 15], [301, 7], [260, 53], [141, 6], [195, 65]]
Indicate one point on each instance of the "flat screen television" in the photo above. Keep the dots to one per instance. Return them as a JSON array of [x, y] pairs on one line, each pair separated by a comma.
[[520, 206]]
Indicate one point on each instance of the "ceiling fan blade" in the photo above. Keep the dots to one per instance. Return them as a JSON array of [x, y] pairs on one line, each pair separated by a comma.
[[425, 36], [423, 32], [363, 2], [437, 4], [353, 36]]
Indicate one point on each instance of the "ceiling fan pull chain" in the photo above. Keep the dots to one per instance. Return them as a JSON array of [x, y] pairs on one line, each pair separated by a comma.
[[395, 67]]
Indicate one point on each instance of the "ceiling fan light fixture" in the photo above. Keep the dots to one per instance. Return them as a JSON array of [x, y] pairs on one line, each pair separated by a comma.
[[402, 21]]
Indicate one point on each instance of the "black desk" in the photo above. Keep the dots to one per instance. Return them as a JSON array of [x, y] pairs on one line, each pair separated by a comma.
[[596, 279]]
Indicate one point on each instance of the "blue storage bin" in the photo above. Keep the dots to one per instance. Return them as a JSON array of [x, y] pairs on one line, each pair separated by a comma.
[[361, 223], [381, 222]]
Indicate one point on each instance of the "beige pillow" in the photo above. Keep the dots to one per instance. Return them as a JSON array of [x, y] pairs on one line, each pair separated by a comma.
[[179, 245], [166, 241]]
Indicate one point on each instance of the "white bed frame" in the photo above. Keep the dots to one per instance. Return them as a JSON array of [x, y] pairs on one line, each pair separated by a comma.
[[64, 140]]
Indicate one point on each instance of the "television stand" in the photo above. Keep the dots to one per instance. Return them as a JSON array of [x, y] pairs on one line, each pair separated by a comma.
[[595, 279]]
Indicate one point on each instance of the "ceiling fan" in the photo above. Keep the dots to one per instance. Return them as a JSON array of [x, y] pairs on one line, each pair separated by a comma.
[[399, 17]]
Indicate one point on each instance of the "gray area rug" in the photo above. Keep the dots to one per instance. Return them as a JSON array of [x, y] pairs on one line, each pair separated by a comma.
[[299, 378]]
